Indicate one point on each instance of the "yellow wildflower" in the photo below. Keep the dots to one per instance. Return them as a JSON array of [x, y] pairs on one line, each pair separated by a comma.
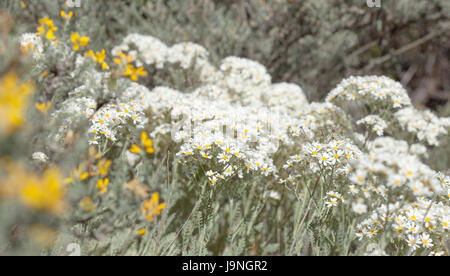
[[135, 149], [47, 28], [123, 59], [152, 207], [43, 107], [103, 166], [98, 57], [87, 204], [65, 15], [44, 193], [77, 173], [134, 73], [13, 103], [146, 143], [102, 185], [141, 232], [78, 41]]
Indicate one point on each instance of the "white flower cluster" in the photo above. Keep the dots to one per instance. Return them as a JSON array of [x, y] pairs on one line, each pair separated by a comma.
[[30, 43], [244, 77], [216, 133], [424, 124], [371, 89], [285, 97], [186, 53], [333, 198], [40, 157], [335, 156], [118, 120], [423, 224], [374, 122], [150, 50], [390, 165], [71, 112]]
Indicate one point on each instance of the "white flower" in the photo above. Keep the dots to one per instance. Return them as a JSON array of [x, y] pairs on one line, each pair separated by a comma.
[[425, 240], [40, 156]]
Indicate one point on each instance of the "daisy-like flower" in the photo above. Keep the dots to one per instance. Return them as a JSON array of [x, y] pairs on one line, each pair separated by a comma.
[[412, 242], [228, 170], [425, 240], [223, 158]]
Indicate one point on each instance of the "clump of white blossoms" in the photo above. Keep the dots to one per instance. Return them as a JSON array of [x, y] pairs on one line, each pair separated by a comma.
[[374, 122], [72, 112], [186, 54], [40, 157], [424, 124], [235, 125], [382, 91], [116, 120], [150, 50], [390, 166], [244, 78], [30, 43], [285, 97]]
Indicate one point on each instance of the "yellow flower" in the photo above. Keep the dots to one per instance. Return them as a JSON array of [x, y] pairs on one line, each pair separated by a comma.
[[44, 193], [78, 173], [152, 207], [46, 28], [103, 166], [98, 57], [13, 103], [134, 73], [123, 59], [78, 41], [141, 232], [65, 15], [43, 107], [102, 185], [146, 143], [135, 149], [87, 205]]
